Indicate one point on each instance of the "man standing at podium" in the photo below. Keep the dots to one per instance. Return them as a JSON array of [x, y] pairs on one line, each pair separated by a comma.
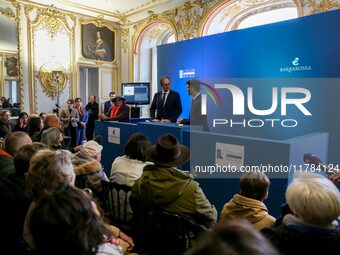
[[166, 105], [195, 118]]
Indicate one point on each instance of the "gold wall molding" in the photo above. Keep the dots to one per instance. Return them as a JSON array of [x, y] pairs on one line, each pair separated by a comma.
[[48, 79], [317, 6], [7, 12], [55, 25], [124, 32]]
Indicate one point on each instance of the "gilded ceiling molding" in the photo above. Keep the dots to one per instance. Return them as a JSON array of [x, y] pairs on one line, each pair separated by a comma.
[[317, 6]]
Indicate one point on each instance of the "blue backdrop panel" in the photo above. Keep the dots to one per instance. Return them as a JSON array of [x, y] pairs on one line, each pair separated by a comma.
[[219, 188], [267, 52], [155, 130], [112, 150]]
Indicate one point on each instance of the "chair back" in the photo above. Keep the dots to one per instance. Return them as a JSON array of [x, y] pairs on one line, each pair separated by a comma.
[[158, 232], [116, 203]]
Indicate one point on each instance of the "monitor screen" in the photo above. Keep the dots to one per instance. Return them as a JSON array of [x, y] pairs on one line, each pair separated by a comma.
[[136, 92]]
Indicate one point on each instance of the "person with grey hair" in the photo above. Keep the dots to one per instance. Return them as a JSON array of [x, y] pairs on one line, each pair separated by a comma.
[[49, 172], [311, 228], [52, 137], [5, 126], [166, 105]]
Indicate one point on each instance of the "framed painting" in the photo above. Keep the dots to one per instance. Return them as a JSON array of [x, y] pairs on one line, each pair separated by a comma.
[[11, 64], [98, 43]]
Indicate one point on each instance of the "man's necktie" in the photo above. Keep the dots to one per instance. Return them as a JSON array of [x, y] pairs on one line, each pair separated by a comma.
[[163, 99]]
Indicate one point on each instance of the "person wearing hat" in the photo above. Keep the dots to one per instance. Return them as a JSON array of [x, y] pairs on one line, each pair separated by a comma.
[[87, 168], [164, 187], [119, 111], [195, 117]]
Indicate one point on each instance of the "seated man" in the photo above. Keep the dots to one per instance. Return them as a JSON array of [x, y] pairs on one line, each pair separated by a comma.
[[118, 112], [163, 187], [248, 204]]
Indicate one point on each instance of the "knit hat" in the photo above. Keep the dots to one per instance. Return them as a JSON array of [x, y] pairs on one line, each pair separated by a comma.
[[91, 148]]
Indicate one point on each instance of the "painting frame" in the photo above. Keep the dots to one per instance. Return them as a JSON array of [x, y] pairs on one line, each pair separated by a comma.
[[98, 42], [12, 66]]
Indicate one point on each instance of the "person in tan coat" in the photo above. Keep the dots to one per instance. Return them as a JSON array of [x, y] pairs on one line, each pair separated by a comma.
[[249, 203]]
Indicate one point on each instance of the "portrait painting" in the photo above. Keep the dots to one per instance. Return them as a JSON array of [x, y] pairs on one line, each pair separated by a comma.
[[98, 43], [11, 64]]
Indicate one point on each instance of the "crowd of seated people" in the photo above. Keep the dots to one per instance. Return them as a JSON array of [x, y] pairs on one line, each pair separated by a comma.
[[45, 208]]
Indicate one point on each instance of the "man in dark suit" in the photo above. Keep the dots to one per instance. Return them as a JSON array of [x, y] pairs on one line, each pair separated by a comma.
[[109, 103], [166, 105], [196, 117]]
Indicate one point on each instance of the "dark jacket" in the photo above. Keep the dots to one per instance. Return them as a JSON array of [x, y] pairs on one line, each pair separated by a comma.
[[171, 110], [172, 190], [18, 128], [92, 111], [294, 238], [107, 106], [5, 129], [122, 114], [6, 164], [14, 205], [195, 117]]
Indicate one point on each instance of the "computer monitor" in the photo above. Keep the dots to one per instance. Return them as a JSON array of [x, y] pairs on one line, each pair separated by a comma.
[[136, 92]]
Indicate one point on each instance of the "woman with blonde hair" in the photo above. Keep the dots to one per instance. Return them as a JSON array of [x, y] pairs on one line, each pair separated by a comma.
[[312, 226]]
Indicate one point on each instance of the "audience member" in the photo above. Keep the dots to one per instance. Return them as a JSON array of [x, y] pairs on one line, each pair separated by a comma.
[[23, 123], [51, 120], [49, 172], [163, 187], [89, 172], [53, 138], [14, 201], [311, 228], [35, 125], [166, 105], [93, 111], [118, 112], [235, 237], [67, 222], [70, 117], [249, 203], [129, 167], [109, 103], [43, 116], [83, 117], [5, 126], [13, 143]]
